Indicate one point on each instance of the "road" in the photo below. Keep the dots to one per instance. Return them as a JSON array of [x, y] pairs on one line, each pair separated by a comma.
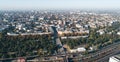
[[99, 56], [57, 40]]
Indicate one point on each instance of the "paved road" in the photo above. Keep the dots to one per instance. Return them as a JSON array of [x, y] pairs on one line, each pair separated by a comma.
[[57, 40]]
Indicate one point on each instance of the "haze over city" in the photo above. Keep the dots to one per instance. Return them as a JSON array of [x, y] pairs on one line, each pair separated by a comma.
[[57, 4]]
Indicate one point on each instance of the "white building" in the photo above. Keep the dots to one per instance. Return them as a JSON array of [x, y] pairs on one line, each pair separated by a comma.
[[73, 50], [115, 58], [80, 49]]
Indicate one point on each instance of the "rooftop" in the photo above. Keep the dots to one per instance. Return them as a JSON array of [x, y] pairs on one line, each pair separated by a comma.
[[117, 56]]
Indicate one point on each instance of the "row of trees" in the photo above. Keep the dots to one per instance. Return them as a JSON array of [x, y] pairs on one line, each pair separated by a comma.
[[94, 39], [15, 46], [74, 34]]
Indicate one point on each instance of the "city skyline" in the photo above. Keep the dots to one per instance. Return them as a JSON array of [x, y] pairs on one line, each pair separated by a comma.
[[58, 4]]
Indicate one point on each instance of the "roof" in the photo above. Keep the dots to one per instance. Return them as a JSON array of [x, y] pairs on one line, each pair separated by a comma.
[[117, 56]]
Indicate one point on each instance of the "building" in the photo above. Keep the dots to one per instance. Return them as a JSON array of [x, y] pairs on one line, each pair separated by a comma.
[[115, 58], [80, 49]]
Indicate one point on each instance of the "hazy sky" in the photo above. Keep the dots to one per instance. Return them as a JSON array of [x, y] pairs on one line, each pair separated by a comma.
[[58, 4]]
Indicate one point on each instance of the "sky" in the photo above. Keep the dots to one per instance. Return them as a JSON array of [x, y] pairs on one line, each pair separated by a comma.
[[58, 4]]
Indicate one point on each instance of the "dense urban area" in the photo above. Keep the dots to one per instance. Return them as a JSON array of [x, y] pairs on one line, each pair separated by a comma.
[[59, 35]]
